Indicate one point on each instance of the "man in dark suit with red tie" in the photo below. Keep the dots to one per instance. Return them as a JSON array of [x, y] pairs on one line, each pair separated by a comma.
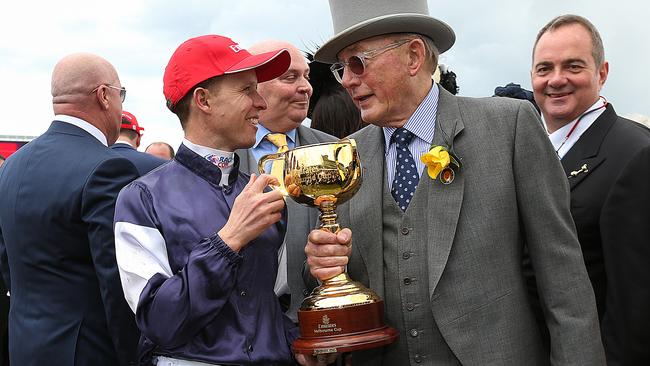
[[57, 250]]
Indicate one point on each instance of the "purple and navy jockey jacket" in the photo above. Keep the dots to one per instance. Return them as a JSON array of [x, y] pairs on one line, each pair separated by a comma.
[[195, 298]]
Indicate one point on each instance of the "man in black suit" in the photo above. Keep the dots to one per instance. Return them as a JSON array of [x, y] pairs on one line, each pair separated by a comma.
[[128, 142], [626, 246], [593, 143], [57, 245]]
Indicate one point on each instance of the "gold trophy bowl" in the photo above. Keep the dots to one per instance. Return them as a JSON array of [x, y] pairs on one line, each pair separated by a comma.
[[340, 315]]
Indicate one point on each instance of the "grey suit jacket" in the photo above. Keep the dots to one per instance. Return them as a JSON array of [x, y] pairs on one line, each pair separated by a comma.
[[510, 190], [300, 221]]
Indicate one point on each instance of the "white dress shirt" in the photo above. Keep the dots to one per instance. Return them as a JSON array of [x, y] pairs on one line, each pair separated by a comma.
[[586, 119]]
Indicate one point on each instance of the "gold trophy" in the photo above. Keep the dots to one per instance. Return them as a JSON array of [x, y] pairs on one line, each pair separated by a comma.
[[340, 315]]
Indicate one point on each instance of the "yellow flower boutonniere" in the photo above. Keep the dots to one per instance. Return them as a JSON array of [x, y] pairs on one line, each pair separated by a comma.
[[440, 161]]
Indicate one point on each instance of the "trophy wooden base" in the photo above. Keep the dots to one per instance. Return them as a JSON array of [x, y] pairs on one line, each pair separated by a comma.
[[345, 329]]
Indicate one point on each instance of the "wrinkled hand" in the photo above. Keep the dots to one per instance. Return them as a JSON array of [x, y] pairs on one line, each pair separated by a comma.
[[328, 253], [253, 212], [320, 360]]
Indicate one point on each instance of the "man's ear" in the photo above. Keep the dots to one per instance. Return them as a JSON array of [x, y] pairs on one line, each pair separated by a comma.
[[102, 98], [602, 74], [416, 56], [201, 97]]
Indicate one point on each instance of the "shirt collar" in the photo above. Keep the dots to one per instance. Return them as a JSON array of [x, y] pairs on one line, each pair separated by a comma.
[[263, 131], [423, 121], [201, 150], [196, 158], [94, 131], [558, 136], [227, 173], [123, 143]]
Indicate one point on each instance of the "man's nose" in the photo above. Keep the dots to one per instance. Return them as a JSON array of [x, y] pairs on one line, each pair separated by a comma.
[[258, 101], [557, 79], [349, 79], [305, 87]]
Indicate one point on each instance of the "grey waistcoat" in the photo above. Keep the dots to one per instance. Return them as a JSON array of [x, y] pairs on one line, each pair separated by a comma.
[[407, 304]]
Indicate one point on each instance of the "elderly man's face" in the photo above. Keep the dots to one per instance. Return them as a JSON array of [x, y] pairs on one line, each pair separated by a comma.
[[237, 109], [382, 92], [287, 96]]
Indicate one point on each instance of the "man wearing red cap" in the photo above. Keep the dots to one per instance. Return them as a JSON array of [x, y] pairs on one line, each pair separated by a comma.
[[197, 240], [128, 142]]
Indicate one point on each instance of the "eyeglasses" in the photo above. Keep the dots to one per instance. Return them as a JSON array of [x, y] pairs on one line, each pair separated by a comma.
[[357, 63], [122, 90]]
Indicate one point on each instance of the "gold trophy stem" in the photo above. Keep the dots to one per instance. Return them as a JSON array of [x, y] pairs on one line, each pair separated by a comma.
[[328, 216], [339, 280]]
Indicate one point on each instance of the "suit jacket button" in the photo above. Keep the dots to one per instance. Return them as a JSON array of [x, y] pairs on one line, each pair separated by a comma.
[[417, 358], [405, 231], [406, 255], [407, 281]]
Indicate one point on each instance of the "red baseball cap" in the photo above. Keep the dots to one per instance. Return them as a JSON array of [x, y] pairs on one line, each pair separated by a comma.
[[201, 58], [129, 122]]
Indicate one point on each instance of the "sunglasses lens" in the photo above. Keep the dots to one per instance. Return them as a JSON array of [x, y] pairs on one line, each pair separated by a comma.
[[356, 65]]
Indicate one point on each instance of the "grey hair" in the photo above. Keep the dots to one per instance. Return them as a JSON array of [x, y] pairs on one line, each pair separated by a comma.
[[431, 52]]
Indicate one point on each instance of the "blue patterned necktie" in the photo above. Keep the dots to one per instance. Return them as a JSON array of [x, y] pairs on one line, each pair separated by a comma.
[[406, 174]]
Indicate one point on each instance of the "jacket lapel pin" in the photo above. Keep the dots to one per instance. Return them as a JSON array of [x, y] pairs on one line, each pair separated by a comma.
[[583, 169]]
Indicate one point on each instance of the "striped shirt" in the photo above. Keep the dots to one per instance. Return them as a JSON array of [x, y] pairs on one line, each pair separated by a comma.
[[422, 124]]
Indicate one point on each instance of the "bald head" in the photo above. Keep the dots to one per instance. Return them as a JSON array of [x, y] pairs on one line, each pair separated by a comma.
[[160, 149], [78, 74], [271, 45], [287, 97], [73, 79]]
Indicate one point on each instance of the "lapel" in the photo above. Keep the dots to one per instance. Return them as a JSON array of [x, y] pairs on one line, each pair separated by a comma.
[[445, 201], [305, 136], [367, 217], [247, 162], [584, 157]]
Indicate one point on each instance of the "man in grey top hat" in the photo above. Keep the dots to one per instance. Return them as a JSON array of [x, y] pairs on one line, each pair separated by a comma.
[[442, 241]]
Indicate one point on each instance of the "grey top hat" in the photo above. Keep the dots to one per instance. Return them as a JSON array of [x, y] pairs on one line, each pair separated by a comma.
[[356, 20]]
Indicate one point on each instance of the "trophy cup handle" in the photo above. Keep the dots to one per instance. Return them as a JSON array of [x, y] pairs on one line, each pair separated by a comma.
[[266, 158]]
